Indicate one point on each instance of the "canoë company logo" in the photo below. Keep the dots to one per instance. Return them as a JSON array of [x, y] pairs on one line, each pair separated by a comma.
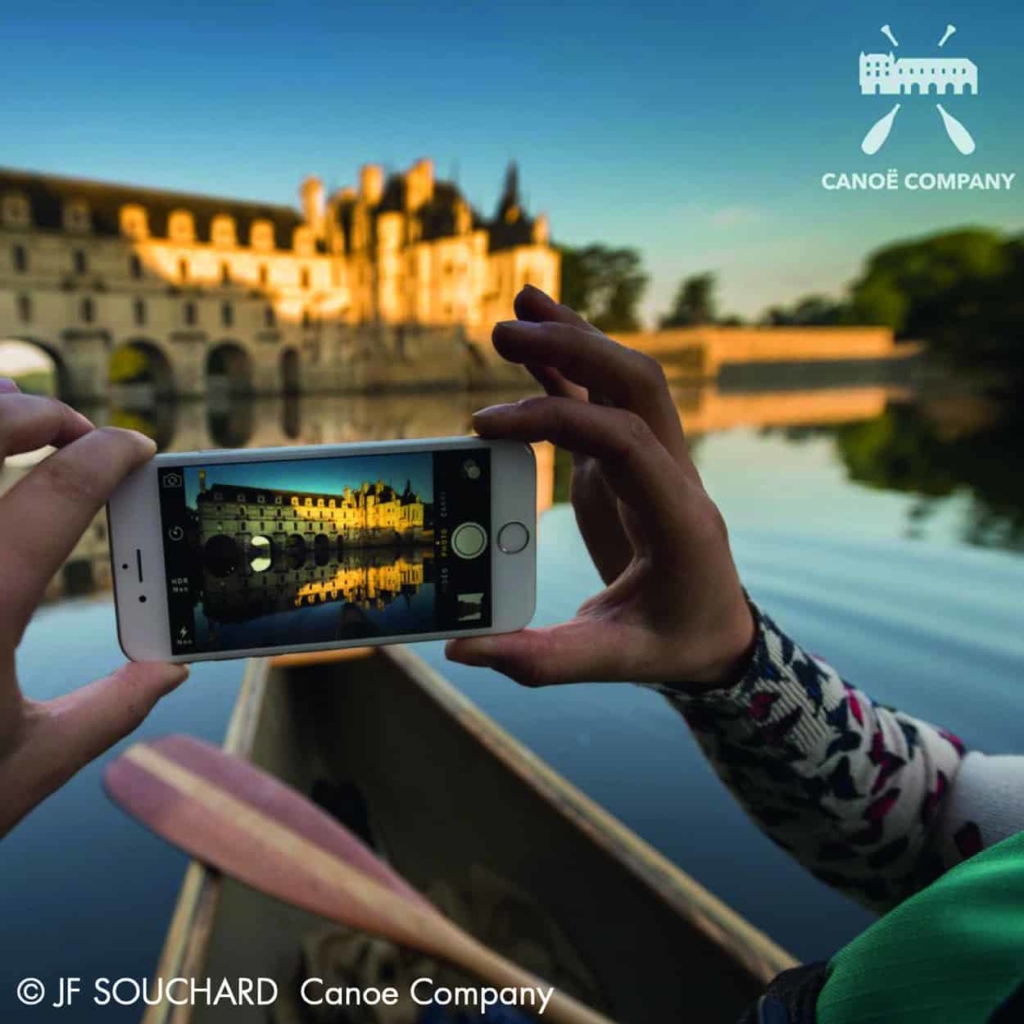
[[883, 74], [954, 78]]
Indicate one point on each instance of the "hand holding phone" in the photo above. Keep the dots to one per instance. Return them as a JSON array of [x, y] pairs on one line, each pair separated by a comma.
[[236, 553], [42, 517], [673, 610]]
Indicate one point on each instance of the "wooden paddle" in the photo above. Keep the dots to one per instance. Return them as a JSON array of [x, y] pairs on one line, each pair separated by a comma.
[[251, 826]]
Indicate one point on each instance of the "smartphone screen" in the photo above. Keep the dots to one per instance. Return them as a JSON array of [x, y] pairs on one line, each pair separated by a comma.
[[313, 550]]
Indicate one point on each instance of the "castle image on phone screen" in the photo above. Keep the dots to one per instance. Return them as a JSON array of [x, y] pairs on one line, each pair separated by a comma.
[[328, 549]]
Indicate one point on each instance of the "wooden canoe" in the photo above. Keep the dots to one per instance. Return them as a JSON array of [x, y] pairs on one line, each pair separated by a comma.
[[486, 829]]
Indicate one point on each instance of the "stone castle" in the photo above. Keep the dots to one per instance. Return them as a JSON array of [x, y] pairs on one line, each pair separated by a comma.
[[174, 294]]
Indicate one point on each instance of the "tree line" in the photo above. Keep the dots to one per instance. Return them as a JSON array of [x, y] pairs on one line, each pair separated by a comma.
[[961, 291]]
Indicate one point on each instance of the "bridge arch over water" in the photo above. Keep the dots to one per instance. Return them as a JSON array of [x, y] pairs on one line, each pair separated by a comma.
[[39, 363], [139, 371], [229, 369]]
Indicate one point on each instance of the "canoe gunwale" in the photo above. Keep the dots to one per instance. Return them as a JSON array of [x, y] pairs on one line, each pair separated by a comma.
[[761, 955]]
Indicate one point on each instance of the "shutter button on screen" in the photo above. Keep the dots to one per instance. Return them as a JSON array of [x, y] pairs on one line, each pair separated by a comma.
[[513, 537], [469, 540]]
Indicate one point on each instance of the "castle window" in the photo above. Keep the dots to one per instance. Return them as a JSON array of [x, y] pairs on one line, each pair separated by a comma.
[[80, 261], [277, 499], [76, 216], [15, 211], [261, 235], [227, 314], [264, 277], [189, 313], [181, 227], [306, 321], [19, 256], [304, 277], [222, 231], [139, 312], [183, 269], [135, 266], [24, 309], [269, 317], [86, 311], [134, 222], [225, 273]]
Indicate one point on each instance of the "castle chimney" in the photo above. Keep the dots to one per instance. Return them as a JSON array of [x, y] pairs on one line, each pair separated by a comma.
[[371, 183], [311, 194]]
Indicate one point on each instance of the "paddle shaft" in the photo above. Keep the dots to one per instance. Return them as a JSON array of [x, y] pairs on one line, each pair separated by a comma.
[[477, 959], [200, 811]]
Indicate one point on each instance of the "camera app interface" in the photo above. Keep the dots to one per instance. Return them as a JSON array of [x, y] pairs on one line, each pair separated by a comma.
[[304, 551]]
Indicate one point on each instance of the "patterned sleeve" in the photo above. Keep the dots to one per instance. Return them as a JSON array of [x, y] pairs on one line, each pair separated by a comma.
[[853, 790]]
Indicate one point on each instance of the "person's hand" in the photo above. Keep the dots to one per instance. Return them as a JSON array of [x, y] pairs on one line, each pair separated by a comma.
[[42, 744], [673, 610]]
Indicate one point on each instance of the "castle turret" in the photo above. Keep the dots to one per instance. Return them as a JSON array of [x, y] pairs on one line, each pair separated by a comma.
[[311, 195], [509, 207], [371, 184], [419, 184]]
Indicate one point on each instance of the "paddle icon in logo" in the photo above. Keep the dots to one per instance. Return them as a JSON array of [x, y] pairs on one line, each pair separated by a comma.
[[883, 74]]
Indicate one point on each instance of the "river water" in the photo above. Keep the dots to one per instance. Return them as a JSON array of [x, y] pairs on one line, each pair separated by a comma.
[[884, 531]]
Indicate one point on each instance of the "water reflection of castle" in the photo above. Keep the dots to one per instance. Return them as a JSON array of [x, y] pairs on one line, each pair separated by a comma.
[[367, 580]]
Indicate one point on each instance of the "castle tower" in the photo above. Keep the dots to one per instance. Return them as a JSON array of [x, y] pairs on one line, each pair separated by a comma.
[[371, 184], [509, 207], [311, 196]]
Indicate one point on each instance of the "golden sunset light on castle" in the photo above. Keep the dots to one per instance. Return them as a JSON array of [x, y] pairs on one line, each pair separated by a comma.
[[389, 281]]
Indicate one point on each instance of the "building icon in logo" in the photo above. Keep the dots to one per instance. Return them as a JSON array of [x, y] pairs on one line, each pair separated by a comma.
[[883, 74]]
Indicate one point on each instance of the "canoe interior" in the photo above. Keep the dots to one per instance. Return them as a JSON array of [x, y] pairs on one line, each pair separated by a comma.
[[460, 808]]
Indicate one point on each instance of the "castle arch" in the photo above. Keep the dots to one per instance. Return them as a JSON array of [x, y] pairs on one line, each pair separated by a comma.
[[139, 372], [290, 371], [228, 370], [36, 365]]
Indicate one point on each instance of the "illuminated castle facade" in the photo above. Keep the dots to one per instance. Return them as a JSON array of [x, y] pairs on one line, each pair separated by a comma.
[[373, 514], [389, 282]]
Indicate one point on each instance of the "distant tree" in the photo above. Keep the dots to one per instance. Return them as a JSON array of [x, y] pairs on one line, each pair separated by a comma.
[[931, 277], [605, 285], [695, 302], [811, 311]]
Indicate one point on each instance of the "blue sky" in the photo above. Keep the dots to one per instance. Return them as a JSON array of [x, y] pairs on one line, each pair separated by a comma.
[[324, 476], [697, 133]]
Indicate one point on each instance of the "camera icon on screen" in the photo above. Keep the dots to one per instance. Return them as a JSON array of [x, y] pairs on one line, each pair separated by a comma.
[[172, 480]]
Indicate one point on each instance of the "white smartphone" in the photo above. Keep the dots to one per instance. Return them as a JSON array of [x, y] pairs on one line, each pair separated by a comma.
[[227, 554]]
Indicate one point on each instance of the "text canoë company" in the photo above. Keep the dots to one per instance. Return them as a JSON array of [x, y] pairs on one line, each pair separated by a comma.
[[917, 181]]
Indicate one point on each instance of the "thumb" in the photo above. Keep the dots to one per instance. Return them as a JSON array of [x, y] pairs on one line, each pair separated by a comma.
[[62, 736], [574, 652], [91, 719]]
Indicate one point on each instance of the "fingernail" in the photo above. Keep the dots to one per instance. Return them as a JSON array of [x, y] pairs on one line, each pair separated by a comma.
[[518, 325], [149, 442], [494, 410], [8, 386], [536, 292], [456, 651]]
